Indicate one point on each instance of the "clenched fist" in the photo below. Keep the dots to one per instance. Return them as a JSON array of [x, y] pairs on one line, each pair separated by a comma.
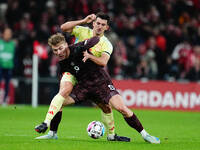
[[90, 18]]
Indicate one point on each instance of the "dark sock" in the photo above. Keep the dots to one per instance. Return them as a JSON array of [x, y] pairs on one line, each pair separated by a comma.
[[56, 121], [134, 122]]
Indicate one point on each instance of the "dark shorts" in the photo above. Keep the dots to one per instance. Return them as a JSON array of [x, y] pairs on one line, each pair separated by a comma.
[[96, 86]]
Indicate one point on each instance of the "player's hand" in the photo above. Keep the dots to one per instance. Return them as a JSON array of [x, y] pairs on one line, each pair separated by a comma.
[[90, 18], [86, 56]]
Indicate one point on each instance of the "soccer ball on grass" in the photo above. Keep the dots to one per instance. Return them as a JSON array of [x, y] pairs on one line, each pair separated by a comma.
[[95, 129]]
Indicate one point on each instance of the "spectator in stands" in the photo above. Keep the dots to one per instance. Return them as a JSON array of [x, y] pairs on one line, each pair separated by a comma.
[[160, 56], [180, 56], [7, 51], [193, 67]]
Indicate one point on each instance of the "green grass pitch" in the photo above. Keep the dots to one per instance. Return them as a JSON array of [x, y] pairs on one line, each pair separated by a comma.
[[177, 130]]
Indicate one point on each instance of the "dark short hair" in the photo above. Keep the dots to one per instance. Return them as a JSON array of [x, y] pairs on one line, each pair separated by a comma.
[[103, 16]]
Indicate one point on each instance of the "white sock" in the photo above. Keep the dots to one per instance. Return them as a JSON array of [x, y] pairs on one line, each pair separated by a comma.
[[54, 107], [111, 136], [47, 122], [52, 133], [109, 123], [143, 133]]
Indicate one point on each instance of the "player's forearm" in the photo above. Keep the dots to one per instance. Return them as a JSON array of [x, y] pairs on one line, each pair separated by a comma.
[[101, 61], [68, 26], [91, 42]]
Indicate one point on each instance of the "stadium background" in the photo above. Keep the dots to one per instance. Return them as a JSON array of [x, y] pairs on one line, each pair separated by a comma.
[[153, 40]]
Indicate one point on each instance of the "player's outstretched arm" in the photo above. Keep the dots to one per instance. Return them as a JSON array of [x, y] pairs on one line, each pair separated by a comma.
[[68, 26], [90, 42], [101, 61]]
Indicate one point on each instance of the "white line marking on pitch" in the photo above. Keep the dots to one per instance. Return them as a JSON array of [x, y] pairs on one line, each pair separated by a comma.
[[16, 135]]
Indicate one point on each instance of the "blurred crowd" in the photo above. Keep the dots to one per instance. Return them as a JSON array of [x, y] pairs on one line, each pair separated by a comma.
[[152, 39]]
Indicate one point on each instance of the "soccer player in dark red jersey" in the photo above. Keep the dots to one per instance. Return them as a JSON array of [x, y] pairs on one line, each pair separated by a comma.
[[71, 63]]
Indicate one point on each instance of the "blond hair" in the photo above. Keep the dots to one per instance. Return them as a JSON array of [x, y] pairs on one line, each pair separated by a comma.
[[55, 39]]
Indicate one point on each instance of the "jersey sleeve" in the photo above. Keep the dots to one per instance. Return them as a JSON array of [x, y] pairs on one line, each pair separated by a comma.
[[107, 48], [80, 32]]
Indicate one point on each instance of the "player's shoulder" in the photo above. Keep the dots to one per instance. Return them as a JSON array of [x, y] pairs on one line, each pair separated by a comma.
[[105, 40], [82, 28]]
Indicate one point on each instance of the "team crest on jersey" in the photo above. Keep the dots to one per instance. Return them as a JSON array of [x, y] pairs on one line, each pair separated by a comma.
[[76, 68]]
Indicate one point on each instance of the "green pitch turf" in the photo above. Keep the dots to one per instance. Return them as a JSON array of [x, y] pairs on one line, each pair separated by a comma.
[[177, 130]]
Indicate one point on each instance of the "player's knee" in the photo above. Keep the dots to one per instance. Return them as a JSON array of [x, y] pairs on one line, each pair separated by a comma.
[[65, 89], [120, 109], [68, 101], [64, 92], [107, 110]]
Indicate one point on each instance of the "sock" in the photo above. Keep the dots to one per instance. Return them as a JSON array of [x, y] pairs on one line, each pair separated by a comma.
[[54, 107], [134, 122], [108, 121], [143, 133], [52, 133], [55, 122]]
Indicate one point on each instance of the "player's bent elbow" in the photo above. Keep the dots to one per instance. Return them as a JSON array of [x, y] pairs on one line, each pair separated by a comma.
[[64, 29], [102, 63]]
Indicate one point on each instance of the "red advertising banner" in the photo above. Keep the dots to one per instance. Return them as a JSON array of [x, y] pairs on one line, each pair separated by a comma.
[[11, 94], [160, 94]]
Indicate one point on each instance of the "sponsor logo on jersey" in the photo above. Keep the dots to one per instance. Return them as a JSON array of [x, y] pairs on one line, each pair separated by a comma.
[[111, 87]]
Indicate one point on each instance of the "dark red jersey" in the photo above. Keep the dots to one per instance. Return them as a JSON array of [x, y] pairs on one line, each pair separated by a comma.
[[74, 63]]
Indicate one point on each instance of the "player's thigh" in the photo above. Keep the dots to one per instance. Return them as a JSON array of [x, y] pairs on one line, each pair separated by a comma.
[[66, 84], [65, 88], [117, 102]]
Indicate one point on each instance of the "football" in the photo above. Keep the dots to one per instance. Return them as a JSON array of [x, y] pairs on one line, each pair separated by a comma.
[[95, 129]]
